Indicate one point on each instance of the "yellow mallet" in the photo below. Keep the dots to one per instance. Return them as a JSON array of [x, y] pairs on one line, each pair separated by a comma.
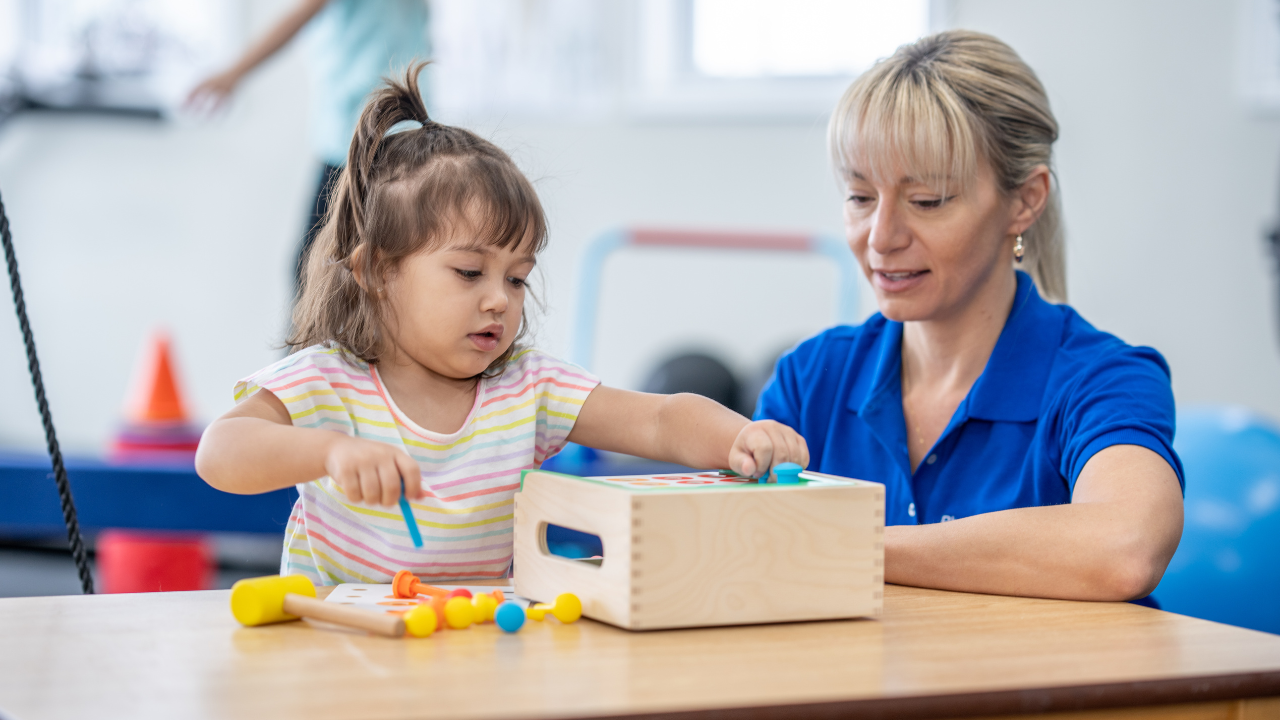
[[279, 598]]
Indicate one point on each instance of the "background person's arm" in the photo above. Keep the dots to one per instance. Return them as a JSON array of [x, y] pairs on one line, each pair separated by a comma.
[[1113, 542], [214, 91]]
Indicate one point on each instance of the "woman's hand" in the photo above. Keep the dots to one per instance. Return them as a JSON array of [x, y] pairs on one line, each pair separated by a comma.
[[371, 472], [763, 444]]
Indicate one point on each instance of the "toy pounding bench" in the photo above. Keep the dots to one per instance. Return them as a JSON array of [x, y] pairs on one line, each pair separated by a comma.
[[707, 548]]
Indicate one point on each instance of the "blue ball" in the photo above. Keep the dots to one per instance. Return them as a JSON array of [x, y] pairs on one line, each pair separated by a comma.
[[1225, 568], [509, 616]]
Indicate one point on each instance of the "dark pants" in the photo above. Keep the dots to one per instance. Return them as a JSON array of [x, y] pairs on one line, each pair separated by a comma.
[[319, 209]]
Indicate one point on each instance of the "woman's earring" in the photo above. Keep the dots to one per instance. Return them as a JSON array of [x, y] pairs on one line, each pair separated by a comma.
[[1017, 250]]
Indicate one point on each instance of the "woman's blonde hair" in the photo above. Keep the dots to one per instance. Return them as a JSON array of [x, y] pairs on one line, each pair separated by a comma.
[[938, 107], [402, 192]]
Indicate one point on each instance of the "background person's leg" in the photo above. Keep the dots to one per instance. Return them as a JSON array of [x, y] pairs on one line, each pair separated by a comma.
[[319, 208]]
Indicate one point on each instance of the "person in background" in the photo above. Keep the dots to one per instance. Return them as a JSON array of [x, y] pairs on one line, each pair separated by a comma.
[[353, 44], [1023, 451]]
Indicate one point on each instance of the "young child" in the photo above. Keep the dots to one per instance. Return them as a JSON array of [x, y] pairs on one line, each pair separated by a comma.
[[412, 375]]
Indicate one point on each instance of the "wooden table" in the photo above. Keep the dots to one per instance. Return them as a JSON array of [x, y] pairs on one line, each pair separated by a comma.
[[933, 654]]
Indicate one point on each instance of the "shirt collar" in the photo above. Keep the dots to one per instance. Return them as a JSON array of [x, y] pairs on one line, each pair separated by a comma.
[[1011, 387]]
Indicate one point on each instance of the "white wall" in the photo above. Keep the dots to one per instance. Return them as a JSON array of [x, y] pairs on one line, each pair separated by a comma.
[[1168, 184]]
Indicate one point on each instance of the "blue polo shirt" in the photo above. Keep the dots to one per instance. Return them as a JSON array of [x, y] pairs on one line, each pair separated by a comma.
[[1054, 392]]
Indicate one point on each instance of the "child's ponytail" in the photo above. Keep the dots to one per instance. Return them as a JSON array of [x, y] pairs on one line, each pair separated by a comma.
[[399, 193], [388, 106]]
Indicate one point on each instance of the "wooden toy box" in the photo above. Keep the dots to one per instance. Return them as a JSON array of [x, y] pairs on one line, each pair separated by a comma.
[[705, 548]]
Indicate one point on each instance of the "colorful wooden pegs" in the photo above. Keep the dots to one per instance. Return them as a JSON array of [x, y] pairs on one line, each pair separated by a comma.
[[421, 621], [456, 608], [787, 473], [406, 585], [509, 616], [458, 613], [567, 608]]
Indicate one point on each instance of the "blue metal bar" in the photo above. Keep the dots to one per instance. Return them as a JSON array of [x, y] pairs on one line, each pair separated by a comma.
[[592, 268], [584, 331], [839, 253]]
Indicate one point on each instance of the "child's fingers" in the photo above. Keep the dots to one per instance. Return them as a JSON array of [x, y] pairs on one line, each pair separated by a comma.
[[350, 484], [389, 481], [762, 453], [804, 451], [788, 445], [741, 462], [370, 485], [796, 450], [412, 475]]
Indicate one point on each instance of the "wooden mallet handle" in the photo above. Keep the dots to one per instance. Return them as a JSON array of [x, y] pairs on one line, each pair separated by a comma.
[[374, 622]]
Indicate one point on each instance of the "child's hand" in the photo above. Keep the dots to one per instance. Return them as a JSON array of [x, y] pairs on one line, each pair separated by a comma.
[[766, 443], [369, 471]]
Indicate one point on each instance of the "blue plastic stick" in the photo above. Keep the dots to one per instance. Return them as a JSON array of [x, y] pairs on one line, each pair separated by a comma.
[[409, 519]]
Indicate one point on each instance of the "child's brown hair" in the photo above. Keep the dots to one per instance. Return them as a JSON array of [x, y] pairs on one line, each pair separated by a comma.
[[397, 195]]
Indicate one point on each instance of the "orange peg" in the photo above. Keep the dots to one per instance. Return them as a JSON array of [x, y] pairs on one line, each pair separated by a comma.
[[406, 585]]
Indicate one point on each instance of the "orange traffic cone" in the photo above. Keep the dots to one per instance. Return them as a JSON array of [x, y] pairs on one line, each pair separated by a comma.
[[157, 427], [158, 399]]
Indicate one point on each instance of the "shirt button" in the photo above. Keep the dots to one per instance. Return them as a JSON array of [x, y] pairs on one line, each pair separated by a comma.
[[931, 459]]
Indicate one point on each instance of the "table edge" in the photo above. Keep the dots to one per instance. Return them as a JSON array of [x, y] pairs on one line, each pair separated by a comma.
[[1144, 693]]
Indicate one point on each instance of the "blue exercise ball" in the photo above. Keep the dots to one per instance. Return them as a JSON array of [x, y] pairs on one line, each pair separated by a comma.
[[1227, 567]]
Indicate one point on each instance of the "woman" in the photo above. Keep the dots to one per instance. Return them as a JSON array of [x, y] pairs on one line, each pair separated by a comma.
[[1023, 452]]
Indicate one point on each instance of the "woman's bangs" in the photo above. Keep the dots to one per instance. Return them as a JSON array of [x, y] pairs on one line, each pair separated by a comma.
[[885, 131]]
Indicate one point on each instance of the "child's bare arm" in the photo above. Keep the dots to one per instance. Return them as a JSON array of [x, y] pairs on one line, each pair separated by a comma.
[[684, 428], [255, 448]]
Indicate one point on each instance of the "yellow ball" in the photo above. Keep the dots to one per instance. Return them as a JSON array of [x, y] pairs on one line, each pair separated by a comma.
[[484, 606], [568, 608], [421, 621], [458, 613]]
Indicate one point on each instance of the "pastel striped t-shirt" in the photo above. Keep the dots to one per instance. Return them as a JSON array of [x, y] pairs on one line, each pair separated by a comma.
[[519, 419]]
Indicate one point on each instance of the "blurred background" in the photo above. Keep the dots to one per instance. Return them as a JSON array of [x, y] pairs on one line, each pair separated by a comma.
[[130, 214]]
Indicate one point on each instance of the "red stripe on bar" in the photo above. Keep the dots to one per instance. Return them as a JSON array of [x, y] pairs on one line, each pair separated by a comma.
[[738, 240]]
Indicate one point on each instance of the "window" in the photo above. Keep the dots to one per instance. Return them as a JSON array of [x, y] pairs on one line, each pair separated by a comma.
[[661, 58], [764, 58], [798, 38]]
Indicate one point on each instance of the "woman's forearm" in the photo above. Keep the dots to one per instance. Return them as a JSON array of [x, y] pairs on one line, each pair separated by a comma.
[[1113, 542], [249, 455], [1074, 552]]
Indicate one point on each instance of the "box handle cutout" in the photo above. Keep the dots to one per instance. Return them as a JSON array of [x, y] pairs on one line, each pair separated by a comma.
[[572, 544]]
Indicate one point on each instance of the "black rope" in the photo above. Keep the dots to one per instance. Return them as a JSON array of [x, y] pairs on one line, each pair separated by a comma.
[[1273, 245], [55, 454]]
